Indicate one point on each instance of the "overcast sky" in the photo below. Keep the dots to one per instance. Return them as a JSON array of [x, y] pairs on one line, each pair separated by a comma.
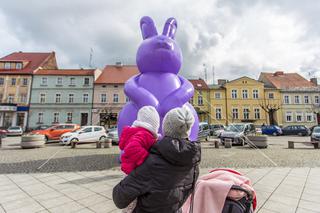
[[236, 37]]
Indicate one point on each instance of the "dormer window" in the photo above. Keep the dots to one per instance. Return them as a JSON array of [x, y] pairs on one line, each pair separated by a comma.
[[7, 65], [18, 66]]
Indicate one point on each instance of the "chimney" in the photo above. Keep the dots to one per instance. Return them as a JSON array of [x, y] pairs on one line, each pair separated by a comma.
[[278, 73], [119, 64], [222, 81], [314, 81]]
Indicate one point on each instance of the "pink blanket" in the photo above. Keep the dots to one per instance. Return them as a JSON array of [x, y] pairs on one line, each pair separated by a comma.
[[212, 189]]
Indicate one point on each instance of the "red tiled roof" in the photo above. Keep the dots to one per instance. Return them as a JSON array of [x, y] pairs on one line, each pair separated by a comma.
[[113, 74], [35, 61], [281, 80], [68, 72], [199, 84]]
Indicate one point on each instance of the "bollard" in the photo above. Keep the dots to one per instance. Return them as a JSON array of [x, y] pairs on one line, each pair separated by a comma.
[[0, 141], [73, 144], [227, 143], [216, 144], [107, 143], [98, 144]]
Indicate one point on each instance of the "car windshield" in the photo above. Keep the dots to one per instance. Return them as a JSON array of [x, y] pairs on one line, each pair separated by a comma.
[[14, 128], [235, 128], [316, 130]]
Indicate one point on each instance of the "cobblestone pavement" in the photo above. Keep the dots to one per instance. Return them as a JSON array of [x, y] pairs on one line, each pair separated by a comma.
[[13, 159], [278, 190]]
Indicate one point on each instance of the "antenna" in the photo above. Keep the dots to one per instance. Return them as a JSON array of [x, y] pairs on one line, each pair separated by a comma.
[[205, 72], [90, 57]]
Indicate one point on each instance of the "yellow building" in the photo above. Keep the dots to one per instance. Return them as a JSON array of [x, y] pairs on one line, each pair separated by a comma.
[[201, 99]]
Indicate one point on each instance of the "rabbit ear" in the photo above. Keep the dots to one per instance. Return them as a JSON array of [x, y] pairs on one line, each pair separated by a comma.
[[170, 28], [147, 27]]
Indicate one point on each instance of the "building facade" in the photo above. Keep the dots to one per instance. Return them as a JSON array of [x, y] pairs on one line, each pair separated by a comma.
[[16, 71], [62, 96], [299, 97], [201, 99], [109, 97]]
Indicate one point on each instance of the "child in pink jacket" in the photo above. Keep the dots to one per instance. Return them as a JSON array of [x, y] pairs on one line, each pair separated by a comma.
[[135, 142]]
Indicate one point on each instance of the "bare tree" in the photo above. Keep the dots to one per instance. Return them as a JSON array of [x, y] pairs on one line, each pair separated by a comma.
[[106, 116], [270, 107]]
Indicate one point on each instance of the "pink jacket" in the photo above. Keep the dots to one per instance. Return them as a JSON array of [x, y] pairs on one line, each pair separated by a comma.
[[135, 142], [212, 189]]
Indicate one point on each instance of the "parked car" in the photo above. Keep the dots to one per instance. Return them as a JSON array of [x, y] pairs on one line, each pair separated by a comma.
[[3, 133], [85, 134], [216, 129], [315, 136], [300, 130], [42, 127], [237, 132], [15, 131], [204, 131], [271, 130], [54, 132], [311, 128], [113, 135]]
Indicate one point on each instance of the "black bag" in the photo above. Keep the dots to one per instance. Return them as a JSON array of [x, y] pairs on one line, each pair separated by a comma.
[[244, 205]]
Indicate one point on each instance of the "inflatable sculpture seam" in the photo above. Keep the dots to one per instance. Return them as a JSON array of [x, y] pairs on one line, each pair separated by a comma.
[[159, 59]]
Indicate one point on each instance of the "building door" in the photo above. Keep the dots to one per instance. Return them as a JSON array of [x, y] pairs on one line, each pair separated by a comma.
[[20, 119], [318, 118], [84, 119]]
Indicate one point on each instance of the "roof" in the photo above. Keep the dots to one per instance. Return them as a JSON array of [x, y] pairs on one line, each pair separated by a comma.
[[113, 74], [199, 84], [282, 80], [34, 60], [69, 72]]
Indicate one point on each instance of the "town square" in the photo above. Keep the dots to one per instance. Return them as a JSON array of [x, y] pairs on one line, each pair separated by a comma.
[[159, 107]]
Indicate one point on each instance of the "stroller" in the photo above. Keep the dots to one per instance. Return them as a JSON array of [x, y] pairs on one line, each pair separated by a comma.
[[222, 190]]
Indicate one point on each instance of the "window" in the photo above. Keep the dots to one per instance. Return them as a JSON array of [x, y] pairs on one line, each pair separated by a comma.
[[13, 81], [24, 81], [86, 130], [289, 116], [42, 98], [235, 114], [7, 65], [244, 94], [257, 113], [23, 98], [1, 81], [72, 81], [56, 117], [115, 98], [218, 114], [299, 117], [316, 99], [58, 98], [234, 94], [246, 113], [85, 98], [306, 99], [86, 81], [127, 99], [103, 98], [271, 95], [309, 117], [217, 95], [286, 99], [18, 66], [10, 99], [97, 129], [200, 100], [296, 99], [44, 81], [59, 81], [40, 117], [255, 94], [71, 98], [69, 117]]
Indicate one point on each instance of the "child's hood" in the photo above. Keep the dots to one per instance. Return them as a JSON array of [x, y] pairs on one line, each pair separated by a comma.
[[128, 132]]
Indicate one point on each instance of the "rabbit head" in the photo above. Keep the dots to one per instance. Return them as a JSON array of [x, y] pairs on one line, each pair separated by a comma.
[[158, 53]]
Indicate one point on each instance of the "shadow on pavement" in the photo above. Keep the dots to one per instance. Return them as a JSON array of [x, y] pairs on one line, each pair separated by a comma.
[[66, 164]]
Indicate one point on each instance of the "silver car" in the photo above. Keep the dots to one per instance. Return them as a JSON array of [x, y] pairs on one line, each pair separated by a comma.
[[315, 136], [15, 131], [237, 133], [113, 135]]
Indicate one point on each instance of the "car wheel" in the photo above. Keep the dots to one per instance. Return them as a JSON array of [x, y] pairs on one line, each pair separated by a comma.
[[74, 140], [300, 134], [274, 134], [102, 139], [46, 139]]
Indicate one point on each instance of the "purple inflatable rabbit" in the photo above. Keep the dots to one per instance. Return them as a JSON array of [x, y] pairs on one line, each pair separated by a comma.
[[159, 59]]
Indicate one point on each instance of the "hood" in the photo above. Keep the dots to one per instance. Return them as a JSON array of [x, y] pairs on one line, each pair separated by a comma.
[[126, 134], [178, 152], [316, 134]]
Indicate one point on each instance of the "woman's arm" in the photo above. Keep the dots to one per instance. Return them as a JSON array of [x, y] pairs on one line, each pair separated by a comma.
[[134, 185]]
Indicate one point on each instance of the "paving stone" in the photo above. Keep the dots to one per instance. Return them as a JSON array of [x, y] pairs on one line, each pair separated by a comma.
[[266, 211], [66, 208], [47, 196], [58, 201], [36, 189], [310, 197], [308, 205], [34, 207], [92, 200], [18, 204], [103, 207], [279, 207], [302, 210], [13, 197]]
